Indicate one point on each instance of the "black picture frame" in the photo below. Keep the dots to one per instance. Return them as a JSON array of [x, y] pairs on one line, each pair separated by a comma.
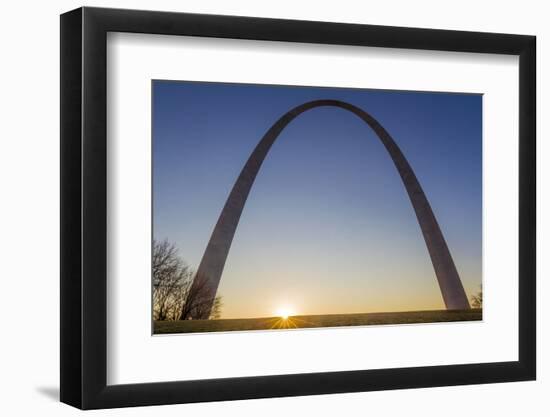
[[84, 208]]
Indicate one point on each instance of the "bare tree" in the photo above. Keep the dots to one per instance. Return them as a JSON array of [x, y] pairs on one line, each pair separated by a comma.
[[477, 299], [199, 299], [177, 294], [171, 279], [216, 311]]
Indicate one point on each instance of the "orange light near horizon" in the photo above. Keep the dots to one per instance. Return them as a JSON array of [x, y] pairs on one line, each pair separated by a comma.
[[284, 313]]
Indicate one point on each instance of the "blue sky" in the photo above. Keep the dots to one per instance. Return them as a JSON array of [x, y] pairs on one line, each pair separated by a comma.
[[328, 227]]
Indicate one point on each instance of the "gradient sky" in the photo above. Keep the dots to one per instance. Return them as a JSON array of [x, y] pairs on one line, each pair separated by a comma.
[[328, 226]]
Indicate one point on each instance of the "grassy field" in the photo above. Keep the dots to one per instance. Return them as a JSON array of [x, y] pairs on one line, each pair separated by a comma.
[[328, 320]]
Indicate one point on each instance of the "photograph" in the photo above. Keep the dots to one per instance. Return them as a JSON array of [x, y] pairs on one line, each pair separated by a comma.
[[260, 204], [289, 207]]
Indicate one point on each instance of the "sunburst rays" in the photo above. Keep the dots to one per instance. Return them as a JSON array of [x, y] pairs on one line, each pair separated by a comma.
[[286, 322]]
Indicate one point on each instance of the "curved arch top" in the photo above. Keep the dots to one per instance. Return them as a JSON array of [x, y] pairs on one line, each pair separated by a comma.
[[213, 261]]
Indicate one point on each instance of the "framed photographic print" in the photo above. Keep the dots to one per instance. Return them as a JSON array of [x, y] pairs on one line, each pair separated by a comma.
[[257, 208]]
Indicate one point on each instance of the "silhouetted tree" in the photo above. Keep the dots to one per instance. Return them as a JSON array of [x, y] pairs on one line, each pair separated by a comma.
[[171, 277], [174, 295], [477, 299], [216, 311], [198, 299]]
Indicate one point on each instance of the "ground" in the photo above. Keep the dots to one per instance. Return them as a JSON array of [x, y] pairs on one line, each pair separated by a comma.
[[328, 320]]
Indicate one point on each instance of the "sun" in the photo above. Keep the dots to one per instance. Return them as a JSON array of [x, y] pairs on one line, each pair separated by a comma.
[[284, 313]]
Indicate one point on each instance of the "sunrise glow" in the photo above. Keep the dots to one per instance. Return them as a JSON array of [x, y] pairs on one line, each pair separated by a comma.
[[284, 313]]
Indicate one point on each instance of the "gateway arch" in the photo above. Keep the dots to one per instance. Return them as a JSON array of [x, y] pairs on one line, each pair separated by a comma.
[[213, 261]]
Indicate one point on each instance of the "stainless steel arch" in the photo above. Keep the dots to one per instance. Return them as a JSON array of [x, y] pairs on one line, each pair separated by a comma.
[[213, 261]]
